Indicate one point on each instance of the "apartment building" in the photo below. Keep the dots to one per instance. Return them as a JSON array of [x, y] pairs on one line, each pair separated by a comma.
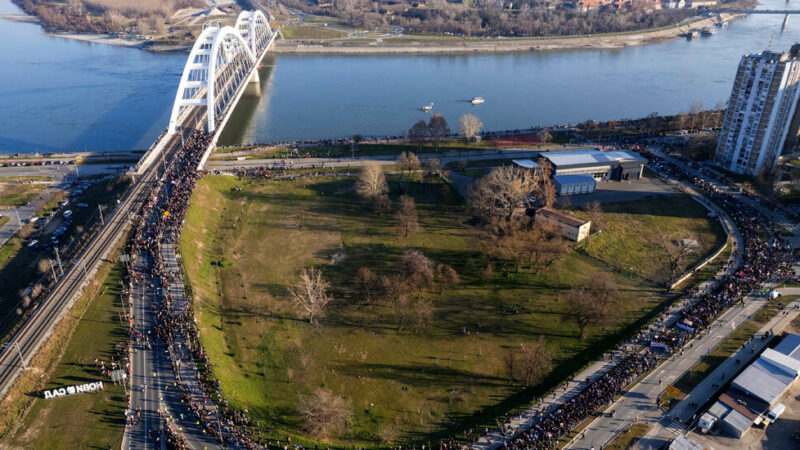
[[760, 120]]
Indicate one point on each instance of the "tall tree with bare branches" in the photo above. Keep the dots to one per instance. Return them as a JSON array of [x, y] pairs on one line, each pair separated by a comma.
[[407, 220], [591, 303], [408, 162], [438, 130], [324, 413], [418, 133], [469, 126], [500, 191], [673, 251], [310, 294], [371, 185]]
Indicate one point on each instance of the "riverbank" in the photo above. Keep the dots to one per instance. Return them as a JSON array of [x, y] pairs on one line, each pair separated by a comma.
[[443, 45], [100, 39]]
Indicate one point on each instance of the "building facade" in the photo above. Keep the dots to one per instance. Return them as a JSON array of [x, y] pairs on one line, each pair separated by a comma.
[[615, 165], [570, 227], [760, 120]]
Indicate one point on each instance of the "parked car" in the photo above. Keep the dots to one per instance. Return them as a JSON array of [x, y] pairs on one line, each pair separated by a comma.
[[67, 213], [33, 243]]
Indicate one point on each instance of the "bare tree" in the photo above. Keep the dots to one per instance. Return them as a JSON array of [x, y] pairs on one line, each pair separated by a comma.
[[371, 184], [447, 276], [545, 190], [408, 162], [422, 313], [469, 126], [438, 130], [535, 362], [673, 251], [366, 282], [324, 413], [418, 133], [591, 303], [417, 269], [694, 110], [503, 189], [433, 166], [407, 215], [543, 246], [545, 136], [311, 294]]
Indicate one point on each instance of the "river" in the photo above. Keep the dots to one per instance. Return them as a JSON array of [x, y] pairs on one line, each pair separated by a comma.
[[59, 94]]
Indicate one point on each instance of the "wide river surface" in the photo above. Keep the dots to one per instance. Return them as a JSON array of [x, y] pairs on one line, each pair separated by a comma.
[[61, 94]]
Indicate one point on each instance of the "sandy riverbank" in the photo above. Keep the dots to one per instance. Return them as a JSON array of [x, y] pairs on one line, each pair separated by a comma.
[[20, 18], [100, 39], [443, 46]]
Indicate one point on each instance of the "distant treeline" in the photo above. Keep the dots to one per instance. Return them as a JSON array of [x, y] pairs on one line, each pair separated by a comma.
[[100, 16], [488, 18]]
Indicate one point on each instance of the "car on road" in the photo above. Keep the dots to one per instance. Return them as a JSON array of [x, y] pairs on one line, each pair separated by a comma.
[[67, 213], [33, 243]]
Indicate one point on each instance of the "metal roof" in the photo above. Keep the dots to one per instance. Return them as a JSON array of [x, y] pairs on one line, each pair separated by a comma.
[[590, 157], [737, 421], [790, 346], [526, 163], [574, 178], [764, 380], [719, 409], [684, 442], [788, 364]]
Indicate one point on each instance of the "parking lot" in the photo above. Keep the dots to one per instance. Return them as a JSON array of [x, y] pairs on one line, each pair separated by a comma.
[[622, 191]]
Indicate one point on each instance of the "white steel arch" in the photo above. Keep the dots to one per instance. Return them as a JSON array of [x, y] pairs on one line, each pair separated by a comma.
[[220, 61], [254, 28]]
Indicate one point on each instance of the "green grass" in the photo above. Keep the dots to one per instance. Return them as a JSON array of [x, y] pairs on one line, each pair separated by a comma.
[[730, 345], [311, 32], [13, 195], [630, 228], [241, 250], [628, 438], [94, 420], [3, 221]]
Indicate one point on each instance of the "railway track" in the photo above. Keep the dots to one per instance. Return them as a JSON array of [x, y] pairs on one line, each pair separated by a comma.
[[30, 336]]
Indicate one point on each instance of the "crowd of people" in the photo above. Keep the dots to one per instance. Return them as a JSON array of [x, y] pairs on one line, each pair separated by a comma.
[[761, 260], [160, 223]]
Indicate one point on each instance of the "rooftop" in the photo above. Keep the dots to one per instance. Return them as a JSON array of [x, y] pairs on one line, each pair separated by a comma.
[[526, 163], [561, 217], [764, 379], [590, 156], [574, 178], [790, 346]]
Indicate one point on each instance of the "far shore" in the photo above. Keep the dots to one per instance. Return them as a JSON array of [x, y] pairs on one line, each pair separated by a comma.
[[417, 44], [493, 45]]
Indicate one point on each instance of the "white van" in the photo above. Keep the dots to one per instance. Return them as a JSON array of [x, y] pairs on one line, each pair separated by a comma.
[[776, 412]]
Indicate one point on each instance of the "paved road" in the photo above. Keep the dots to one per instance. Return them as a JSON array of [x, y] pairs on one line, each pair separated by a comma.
[[598, 369], [665, 430]]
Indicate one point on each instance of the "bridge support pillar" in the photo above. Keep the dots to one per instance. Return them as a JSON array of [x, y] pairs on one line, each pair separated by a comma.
[[255, 78], [785, 22]]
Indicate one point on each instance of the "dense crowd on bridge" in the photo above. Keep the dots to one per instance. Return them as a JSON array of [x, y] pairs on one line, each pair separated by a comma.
[[761, 261], [160, 223]]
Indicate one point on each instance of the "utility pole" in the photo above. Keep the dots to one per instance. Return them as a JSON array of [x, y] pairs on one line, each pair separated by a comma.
[[100, 209], [19, 222], [58, 258], [52, 269], [19, 353], [85, 275]]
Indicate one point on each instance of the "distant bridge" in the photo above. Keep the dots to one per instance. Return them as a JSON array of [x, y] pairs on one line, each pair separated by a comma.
[[755, 11], [222, 62]]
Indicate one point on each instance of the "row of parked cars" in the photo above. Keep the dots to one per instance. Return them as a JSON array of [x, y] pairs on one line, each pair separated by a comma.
[[47, 162], [64, 210]]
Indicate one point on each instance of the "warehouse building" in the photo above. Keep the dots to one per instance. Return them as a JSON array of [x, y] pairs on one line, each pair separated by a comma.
[[571, 228], [617, 165], [574, 184]]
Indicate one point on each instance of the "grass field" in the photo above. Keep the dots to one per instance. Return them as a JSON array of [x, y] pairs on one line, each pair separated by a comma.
[[13, 194], [241, 249], [86, 420], [628, 438], [629, 230], [311, 32]]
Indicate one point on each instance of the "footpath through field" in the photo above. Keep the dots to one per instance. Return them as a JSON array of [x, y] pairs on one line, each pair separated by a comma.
[[550, 403]]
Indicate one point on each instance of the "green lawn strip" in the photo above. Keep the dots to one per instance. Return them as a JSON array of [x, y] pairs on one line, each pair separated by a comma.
[[242, 248], [311, 32], [729, 346], [3, 221], [16, 179], [19, 194], [628, 438], [94, 420]]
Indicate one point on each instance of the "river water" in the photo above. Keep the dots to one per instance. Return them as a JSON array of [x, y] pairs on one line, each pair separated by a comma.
[[60, 94]]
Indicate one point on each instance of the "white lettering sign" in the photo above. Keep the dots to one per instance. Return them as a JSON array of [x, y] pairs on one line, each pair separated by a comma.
[[70, 390]]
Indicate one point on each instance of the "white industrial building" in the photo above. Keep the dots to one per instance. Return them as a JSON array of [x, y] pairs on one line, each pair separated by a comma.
[[760, 120], [574, 184]]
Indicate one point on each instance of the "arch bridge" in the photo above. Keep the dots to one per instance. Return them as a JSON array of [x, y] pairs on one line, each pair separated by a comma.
[[223, 60]]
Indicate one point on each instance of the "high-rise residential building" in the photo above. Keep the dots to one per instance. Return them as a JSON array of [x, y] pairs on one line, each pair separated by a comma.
[[762, 116]]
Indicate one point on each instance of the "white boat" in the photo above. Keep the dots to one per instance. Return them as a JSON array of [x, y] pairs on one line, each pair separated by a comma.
[[477, 100], [426, 108]]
